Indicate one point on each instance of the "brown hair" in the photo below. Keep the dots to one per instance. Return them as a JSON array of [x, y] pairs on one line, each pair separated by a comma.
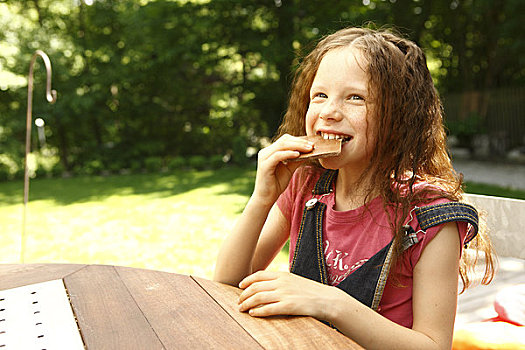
[[410, 142]]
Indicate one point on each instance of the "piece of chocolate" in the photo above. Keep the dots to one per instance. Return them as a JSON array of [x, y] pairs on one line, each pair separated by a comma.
[[322, 148]]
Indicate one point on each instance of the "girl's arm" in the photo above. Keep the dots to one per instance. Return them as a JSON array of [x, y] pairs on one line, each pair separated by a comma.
[[243, 252], [254, 242], [434, 301]]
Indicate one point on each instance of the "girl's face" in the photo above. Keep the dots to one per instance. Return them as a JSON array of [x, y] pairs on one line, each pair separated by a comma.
[[339, 98]]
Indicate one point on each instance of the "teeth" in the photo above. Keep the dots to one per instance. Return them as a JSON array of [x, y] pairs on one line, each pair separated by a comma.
[[328, 136]]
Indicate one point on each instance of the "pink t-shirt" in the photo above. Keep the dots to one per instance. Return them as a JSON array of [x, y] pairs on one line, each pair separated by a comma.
[[351, 237]]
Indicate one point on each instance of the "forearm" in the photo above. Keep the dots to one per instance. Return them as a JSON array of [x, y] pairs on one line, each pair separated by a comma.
[[369, 328], [235, 257]]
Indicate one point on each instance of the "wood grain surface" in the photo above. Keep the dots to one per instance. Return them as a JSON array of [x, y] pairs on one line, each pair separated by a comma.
[[182, 313], [286, 332], [129, 308], [106, 312]]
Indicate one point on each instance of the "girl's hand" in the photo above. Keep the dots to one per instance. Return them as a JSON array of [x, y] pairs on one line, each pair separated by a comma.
[[273, 172], [269, 293]]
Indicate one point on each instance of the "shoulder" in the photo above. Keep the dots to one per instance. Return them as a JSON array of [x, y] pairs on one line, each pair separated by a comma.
[[439, 214]]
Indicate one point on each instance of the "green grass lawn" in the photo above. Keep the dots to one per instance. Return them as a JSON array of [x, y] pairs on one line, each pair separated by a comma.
[[492, 190], [172, 222]]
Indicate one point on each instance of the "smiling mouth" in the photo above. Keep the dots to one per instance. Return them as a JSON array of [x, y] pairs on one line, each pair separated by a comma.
[[330, 136]]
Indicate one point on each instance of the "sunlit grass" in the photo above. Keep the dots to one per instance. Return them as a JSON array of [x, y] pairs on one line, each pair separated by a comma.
[[171, 222]]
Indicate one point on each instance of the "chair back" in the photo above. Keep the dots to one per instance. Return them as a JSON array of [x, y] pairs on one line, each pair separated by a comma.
[[505, 221]]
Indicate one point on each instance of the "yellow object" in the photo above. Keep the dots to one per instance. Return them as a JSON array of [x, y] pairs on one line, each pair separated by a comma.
[[489, 335]]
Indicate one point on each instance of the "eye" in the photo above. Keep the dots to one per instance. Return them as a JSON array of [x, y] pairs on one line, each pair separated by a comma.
[[319, 95], [356, 98]]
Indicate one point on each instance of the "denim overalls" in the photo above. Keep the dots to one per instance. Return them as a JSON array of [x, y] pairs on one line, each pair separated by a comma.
[[367, 283]]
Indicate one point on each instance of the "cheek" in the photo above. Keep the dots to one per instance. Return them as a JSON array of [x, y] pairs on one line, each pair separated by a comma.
[[310, 121]]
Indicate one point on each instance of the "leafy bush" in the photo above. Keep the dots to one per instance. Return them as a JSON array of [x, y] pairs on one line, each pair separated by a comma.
[[92, 167], [216, 162], [4, 172], [176, 163], [198, 162], [466, 129], [153, 164], [135, 166], [115, 166], [239, 150], [57, 170], [8, 168], [42, 172]]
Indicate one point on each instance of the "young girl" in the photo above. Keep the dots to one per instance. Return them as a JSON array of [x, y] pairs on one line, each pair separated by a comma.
[[376, 233]]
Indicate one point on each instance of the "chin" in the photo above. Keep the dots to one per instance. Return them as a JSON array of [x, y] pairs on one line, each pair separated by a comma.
[[330, 163]]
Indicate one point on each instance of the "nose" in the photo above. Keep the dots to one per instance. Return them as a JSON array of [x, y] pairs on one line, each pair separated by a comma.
[[331, 111]]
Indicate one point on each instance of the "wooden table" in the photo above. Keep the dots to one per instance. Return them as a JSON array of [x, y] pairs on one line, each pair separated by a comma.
[[129, 308]]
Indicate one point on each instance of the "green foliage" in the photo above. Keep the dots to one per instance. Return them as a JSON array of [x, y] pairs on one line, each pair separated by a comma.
[[8, 167], [177, 163], [198, 162], [239, 150], [139, 79], [465, 129], [216, 161], [153, 164], [135, 165]]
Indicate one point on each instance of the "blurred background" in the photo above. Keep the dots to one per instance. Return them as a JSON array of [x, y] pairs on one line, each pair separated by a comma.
[[159, 87], [141, 83]]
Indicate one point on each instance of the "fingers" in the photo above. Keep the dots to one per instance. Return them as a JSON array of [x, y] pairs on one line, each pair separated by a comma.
[[259, 289], [285, 148], [256, 277], [266, 299], [273, 170], [270, 309], [269, 293], [258, 299], [296, 143]]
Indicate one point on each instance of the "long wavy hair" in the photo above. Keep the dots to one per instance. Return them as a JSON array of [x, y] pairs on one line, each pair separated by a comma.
[[410, 142]]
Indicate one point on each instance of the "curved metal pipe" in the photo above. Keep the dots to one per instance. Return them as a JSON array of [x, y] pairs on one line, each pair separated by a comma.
[[51, 96]]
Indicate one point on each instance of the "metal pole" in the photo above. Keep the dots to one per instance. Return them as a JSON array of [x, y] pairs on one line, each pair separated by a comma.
[[51, 96]]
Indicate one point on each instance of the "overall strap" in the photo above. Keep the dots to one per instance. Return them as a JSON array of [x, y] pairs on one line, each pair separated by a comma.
[[308, 260], [324, 184], [438, 214]]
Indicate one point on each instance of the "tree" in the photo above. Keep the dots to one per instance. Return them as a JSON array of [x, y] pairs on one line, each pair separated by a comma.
[[139, 79]]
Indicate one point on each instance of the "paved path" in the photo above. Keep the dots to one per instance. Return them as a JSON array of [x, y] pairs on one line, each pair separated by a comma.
[[507, 175]]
